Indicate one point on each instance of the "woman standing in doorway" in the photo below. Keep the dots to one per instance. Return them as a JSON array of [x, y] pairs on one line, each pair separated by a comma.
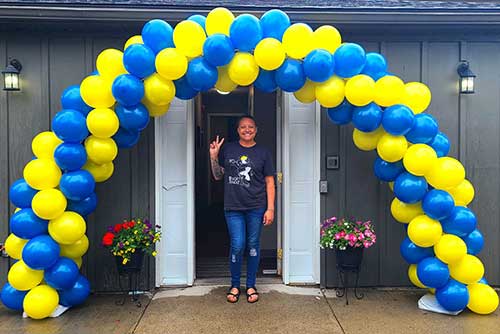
[[248, 172]]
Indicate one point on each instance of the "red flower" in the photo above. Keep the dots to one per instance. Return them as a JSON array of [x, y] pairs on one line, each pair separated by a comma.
[[107, 239], [131, 224], [117, 228]]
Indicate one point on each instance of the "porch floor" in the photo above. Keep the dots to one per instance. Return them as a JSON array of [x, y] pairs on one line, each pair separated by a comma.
[[282, 309]]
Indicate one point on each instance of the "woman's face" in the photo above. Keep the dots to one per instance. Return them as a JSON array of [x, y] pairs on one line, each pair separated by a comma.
[[247, 129]]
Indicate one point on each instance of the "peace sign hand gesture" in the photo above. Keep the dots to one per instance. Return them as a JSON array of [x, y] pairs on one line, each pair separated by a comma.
[[215, 147]]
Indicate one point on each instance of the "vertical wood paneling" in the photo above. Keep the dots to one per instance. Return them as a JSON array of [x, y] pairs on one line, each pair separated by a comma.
[[4, 168]]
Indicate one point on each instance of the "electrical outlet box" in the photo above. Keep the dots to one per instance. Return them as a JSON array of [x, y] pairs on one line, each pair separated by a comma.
[[332, 162], [323, 187]]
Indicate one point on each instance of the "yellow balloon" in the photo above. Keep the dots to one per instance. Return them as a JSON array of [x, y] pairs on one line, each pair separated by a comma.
[[404, 212], [100, 172], [77, 249], [40, 302], [391, 185], [171, 64], [100, 150], [44, 144], [14, 246], [469, 269], [462, 194], [78, 261], [297, 40], [49, 203], [224, 82], [446, 173], [109, 64], [102, 122], [392, 148], [417, 96], [450, 248], [243, 70], [154, 109], [389, 90], [219, 21], [96, 92], [326, 37], [189, 37], [42, 174], [482, 298], [137, 39], [68, 228], [419, 159], [432, 290], [359, 90], [159, 90], [424, 231], [269, 54], [331, 93], [22, 277], [412, 275], [306, 94], [17, 209], [367, 141]]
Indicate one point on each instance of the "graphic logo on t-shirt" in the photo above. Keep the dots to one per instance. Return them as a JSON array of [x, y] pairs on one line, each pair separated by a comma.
[[241, 171]]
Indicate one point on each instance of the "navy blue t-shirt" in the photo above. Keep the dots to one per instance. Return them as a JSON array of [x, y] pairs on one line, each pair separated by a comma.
[[245, 169]]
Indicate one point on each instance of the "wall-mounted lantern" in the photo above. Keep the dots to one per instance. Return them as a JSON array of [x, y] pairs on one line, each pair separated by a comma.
[[11, 75], [466, 78]]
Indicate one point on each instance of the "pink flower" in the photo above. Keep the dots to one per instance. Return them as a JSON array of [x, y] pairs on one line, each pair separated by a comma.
[[337, 236], [367, 244], [352, 243], [361, 236], [368, 233], [342, 234]]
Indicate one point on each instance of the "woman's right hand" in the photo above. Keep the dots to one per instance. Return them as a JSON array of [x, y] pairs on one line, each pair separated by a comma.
[[215, 147]]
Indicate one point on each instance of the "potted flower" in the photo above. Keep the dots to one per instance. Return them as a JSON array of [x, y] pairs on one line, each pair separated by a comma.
[[129, 241], [348, 237]]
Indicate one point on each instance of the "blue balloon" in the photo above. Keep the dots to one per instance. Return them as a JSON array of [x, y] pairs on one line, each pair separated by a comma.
[[26, 224], [266, 81], [63, 274], [71, 99], [483, 281], [245, 32], [387, 171], [367, 118], [410, 188], [158, 35], [397, 120], [128, 90], [412, 253], [69, 156], [424, 129], [319, 65], [77, 294], [440, 144], [183, 89], [432, 272], [21, 194], [274, 23], [290, 75], [201, 75], [460, 222], [134, 118], [70, 125], [438, 204], [375, 66], [41, 252], [341, 114], [474, 242], [12, 298], [77, 185], [125, 138], [218, 50], [350, 59], [200, 19], [139, 60], [454, 296], [83, 207]]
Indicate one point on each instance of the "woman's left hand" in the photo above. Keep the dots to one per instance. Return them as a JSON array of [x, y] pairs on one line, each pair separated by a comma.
[[268, 217]]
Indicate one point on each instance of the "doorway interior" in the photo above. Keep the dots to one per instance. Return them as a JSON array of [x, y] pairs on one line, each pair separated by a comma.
[[217, 114]]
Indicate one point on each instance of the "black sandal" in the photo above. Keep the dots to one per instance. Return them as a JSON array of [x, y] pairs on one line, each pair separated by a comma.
[[236, 295], [255, 293]]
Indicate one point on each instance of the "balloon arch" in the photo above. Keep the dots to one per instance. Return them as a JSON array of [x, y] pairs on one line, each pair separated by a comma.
[[111, 106]]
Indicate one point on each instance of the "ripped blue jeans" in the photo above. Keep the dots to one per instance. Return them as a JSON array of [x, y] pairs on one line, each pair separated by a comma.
[[244, 226]]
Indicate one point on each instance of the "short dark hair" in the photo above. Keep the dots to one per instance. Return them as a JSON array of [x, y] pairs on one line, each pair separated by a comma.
[[243, 117]]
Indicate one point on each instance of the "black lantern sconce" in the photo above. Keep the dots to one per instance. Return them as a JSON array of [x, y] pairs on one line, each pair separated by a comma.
[[466, 78], [11, 75]]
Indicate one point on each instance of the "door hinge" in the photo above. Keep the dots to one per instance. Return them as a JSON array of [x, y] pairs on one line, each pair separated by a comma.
[[279, 253], [279, 175]]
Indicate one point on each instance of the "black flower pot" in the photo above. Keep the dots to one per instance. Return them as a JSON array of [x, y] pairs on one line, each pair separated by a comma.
[[350, 258], [134, 265]]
